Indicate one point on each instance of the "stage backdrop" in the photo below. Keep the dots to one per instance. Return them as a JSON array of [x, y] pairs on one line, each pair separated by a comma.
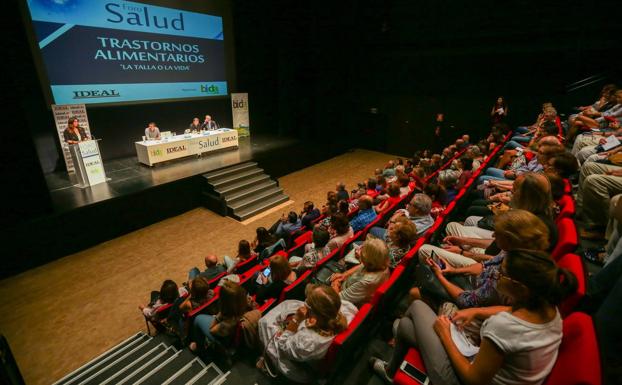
[[239, 110], [117, 51]]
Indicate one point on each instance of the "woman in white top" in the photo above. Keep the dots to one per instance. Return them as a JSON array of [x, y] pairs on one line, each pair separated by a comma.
[[296, 335], [518, 344]]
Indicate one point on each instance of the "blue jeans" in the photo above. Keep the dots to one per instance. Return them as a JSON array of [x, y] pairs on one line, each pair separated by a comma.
[[202, 325], [521, 130], [492, 174], [521, 139], [378, 232], [512, 144]]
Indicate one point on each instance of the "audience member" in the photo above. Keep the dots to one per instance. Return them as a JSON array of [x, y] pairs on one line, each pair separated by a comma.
[[339, 230], [512, 338], [365, 215], [358, 284], [309, 214], [296, 335]]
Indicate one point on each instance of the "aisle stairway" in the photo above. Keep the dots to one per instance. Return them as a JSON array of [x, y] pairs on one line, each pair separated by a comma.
[[241, 191], [146, 360]]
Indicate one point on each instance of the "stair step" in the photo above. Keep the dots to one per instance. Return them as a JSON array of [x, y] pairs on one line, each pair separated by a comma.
[[120, 362], [236, 187], [103, 360], [210, 375], [148, 366], [260, 206], [229, 180], [125, 370], [211, 176], [160, 374], [253, 199], [249, 191], [186, 373]]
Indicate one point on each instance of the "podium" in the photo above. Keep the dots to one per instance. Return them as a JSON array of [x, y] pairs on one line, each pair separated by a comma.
[[87, 163]]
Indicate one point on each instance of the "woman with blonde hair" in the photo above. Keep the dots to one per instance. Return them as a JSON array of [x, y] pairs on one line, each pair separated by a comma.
[[358, 284], [296, 335]]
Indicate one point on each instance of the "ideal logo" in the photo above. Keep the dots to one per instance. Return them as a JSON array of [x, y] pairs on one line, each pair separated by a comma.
[[96, 94], [140, 15], [172, 150], [211, 89], [157, 152]]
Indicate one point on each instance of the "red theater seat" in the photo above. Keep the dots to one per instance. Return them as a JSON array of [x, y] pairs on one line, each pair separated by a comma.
[[574, 264], [568, 239], [567, 207], [578, 362]]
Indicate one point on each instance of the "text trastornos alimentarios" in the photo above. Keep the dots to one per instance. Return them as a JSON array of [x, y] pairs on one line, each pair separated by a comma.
[[147, 50]]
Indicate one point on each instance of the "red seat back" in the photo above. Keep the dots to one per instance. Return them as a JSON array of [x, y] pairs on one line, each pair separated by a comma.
[[568, 239], [578, 361], [574, 264], [296, 289], [566, 207], [347, 342], [414, 358]]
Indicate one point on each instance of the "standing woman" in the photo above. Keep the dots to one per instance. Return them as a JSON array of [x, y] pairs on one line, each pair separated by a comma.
[[499, 110], [74, 134]]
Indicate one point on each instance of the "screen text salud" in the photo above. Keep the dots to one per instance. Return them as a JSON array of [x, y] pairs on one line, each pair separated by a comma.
[[140, 16]]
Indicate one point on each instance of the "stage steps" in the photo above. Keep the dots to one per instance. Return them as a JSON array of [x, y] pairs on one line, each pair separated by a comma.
[[142, 359], [241, 191]]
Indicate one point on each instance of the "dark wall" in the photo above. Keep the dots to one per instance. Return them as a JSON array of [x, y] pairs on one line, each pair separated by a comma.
[[418, 58], [23, 187]]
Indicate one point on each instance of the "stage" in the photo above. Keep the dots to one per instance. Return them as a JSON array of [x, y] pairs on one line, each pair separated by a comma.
[[128, 176], [137, 196]]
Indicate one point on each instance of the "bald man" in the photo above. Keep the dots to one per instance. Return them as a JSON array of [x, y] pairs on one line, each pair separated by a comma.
[[212, 269]]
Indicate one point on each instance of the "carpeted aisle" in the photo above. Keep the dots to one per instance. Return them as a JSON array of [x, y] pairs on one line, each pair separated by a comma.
[[60, 315]]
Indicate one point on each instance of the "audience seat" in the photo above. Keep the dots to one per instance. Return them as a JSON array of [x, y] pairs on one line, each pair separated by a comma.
[[578, 362], [296, 289], [568, 240], [574, 264], [414, 358], [386, 295], [246, 265], [566, 207], [346, 344]]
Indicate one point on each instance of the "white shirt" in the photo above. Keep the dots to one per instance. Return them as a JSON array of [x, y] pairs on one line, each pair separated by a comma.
[[296, 354], [530, 349]]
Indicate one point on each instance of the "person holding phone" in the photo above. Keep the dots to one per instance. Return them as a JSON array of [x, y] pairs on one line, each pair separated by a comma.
[[274, 279], [519, 343], [476, 284]]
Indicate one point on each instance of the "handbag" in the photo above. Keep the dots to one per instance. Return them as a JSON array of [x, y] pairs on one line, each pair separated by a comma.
[[616, 159], [323, 275]]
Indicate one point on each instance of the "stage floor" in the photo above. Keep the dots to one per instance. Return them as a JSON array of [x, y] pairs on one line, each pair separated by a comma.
[[128, 176]]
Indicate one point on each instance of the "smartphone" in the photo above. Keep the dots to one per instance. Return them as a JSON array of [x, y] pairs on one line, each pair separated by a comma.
[[437, 260], [415, 373], [266, 272]]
